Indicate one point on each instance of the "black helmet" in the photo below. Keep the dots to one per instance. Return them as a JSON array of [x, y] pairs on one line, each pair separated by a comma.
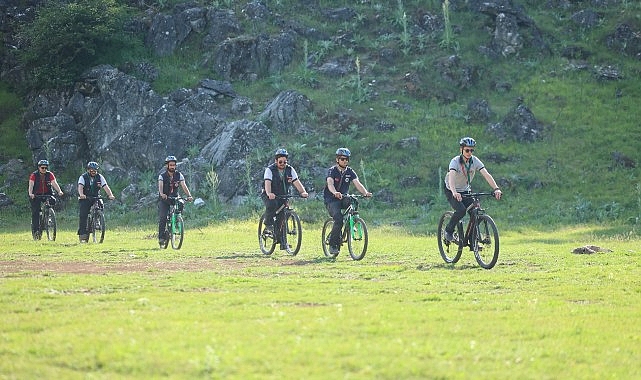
[[281, 153], [43, 163], [467, 141], [93, 165], [343, 152], [168, 159]]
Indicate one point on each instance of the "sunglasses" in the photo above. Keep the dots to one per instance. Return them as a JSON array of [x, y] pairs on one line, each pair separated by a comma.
[[468, 150], [43, 167], [282, 162], [343, 158]]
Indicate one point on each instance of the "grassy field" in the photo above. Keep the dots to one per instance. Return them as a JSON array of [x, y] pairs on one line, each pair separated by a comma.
[[218, 308]]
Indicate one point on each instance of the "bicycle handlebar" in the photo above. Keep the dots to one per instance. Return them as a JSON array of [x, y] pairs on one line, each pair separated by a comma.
[[355, 196], [177, 198], [44, 196], [479, 194], [288, 196]]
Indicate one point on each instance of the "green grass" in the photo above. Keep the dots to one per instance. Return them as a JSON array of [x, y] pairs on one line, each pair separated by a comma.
[[219, 309]]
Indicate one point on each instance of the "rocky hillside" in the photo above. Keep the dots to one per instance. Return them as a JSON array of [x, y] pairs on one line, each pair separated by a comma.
[[397, 82]]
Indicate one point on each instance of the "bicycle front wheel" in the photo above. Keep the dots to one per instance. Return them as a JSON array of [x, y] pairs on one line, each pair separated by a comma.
[[177, 232], [292, 234], [266, 239], [98, 227], [327, 230], [357, 238], [486, 242], [450, 250], [50, 224]]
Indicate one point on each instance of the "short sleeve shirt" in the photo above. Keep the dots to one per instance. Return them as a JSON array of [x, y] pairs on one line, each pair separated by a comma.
[[463, 173], [341, 181], [103, 181], [42, 187]]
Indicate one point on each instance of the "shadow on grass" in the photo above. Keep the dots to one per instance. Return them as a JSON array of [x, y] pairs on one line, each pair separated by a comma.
[[448, 267]]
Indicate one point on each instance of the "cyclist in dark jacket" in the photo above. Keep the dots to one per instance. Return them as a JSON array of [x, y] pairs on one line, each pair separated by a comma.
[[458, 181], [41, 182], [89, 185], [278, 178], [338, 179], [168, 183]]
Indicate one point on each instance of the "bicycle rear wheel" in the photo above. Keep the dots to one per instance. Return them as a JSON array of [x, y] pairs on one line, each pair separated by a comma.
[[50, 224], [177, 232], [486, 242], [292, 234], [327, 230], [450, 250], [357, 238], [266, 239]]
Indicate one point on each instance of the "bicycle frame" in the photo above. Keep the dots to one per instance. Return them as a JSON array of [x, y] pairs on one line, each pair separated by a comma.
[[290, 235], [348, 220], [96, 217], [174, 227], [46, 215], [354, 231], [481, 234]]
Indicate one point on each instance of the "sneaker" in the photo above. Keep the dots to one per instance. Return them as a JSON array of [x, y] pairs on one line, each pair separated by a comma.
[[269, 230], [333, 250], [449, 236], [83, 238], [285, 246]]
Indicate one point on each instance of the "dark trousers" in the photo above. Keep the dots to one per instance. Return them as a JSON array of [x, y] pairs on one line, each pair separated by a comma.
[[35, 213], [271, 205], [334, 208], [83, 214], [459, 210], [163, 210]]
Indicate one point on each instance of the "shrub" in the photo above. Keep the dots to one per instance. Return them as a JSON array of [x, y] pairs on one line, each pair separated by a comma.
[[67, 38]]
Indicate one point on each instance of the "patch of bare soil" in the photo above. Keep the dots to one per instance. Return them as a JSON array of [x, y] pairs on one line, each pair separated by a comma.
[[192, 265]]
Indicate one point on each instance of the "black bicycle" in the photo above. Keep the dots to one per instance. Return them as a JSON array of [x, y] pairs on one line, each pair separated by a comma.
[[354, 231], [481, 235], [290, 231], [96, 219], [47, 218], [175, 226]]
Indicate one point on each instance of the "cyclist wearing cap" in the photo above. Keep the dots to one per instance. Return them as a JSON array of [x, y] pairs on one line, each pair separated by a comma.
[[278, 178], [41, 182], [338, 179], [458, 179], [89, 185], [168, 183]]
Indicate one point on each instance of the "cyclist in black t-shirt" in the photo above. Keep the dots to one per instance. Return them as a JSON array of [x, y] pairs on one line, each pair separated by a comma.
[[338, 179]]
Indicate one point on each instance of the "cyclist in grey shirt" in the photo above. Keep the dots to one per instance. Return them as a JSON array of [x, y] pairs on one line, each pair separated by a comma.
[[458, 181]]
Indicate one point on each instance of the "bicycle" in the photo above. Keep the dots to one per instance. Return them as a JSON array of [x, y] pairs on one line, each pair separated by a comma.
[[291, 232], [481, 235], [175, 226], [96, 219], [47, 218], [354, 231]]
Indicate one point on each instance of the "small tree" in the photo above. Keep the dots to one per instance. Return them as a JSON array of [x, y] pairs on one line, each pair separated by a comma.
[[68, 37]]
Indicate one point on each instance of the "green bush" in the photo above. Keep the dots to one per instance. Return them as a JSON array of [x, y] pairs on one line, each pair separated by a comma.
[[67, 38]]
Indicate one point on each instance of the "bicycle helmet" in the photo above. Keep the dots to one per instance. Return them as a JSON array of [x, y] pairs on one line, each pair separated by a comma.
[[93, 165], [43, 163], [467, 141], [281, 153], [343, 152], [170, 158]]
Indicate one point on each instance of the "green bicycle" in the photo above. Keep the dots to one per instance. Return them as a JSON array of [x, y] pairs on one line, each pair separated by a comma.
[[175, 226], [354, 231]]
